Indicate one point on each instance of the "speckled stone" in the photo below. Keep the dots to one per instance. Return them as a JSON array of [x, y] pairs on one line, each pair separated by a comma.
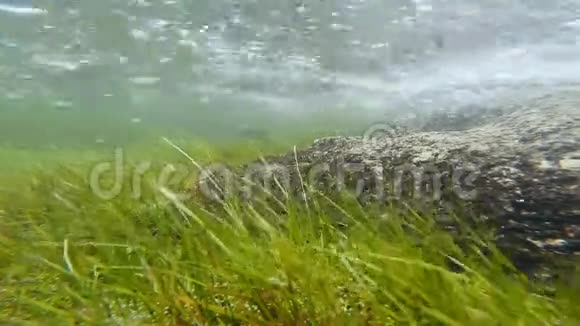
[[523, 162]]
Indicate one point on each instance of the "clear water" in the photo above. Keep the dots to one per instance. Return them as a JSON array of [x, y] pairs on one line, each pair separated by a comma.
[[90, 69]]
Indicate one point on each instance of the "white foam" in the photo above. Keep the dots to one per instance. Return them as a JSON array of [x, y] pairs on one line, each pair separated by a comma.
[[55, 62], [25, 11]]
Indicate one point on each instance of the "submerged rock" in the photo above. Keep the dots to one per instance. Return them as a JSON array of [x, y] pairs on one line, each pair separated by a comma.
[[519, 168]]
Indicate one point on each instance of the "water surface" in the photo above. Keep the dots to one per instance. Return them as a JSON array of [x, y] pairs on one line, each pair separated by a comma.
[[103, 71]]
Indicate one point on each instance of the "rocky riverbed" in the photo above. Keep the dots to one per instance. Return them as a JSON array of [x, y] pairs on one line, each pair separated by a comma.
[[517, 167]]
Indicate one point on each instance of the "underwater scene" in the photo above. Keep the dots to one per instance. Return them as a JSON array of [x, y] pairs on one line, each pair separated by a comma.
[[333, 162]]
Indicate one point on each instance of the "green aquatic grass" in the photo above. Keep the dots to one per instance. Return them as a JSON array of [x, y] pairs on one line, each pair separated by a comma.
[[70, 257]]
